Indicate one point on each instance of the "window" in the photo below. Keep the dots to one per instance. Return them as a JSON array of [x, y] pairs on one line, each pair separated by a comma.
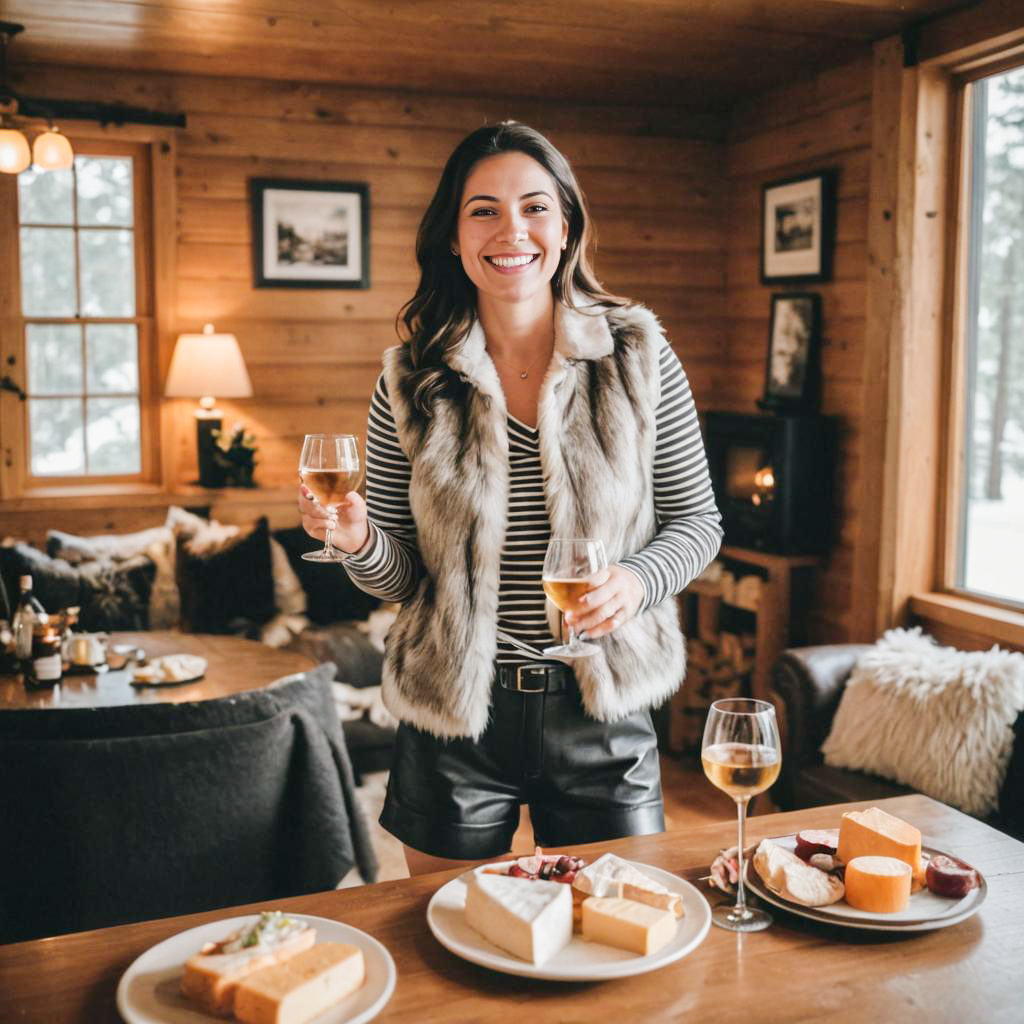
[[988, 555], [86, 326]]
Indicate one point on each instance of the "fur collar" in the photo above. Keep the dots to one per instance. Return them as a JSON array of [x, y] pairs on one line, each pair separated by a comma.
[[578, 335]]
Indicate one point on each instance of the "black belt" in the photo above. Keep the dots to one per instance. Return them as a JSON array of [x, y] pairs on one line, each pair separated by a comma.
[[537, 678]]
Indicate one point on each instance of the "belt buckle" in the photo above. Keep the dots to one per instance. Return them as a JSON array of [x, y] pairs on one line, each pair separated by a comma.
[[538, 669]]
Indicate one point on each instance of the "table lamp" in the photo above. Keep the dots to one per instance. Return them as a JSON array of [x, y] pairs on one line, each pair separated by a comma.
[[204, 365]]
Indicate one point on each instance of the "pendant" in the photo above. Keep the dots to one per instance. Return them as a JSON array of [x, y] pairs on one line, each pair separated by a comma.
[[524, 375]]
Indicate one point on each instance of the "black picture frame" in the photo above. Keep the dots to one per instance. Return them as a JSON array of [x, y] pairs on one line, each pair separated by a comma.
[[792, 377], [286, 253], [798, 223]]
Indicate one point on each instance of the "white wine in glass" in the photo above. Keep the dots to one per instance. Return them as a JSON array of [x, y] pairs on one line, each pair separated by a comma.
[[569, 564], [329, 467], [742, 756]]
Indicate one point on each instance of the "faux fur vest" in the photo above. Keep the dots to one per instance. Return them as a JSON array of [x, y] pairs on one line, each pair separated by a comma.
[[597, 434]]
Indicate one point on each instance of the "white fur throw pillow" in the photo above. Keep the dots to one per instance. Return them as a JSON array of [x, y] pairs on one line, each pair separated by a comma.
[[933, 718]]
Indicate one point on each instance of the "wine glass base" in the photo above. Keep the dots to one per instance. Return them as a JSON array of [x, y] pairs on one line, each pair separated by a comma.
[[565, 651], [321, 556], [725, 915]]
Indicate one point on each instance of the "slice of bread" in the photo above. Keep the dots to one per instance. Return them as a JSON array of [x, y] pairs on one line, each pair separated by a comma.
[[301, 988]]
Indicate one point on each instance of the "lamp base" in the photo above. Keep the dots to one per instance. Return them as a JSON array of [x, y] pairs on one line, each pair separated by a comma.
[[210, 473]]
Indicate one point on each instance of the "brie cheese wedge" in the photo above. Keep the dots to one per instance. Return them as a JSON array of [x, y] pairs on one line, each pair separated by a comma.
[[789, 877], [529, 918], [612, 876]]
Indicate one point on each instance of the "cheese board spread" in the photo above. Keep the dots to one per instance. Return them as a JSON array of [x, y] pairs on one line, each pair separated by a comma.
[[520, 922]]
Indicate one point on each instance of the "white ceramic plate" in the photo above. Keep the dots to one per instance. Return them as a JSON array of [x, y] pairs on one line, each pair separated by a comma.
[[924, 912], [149, 990], [579, 961], [193, 664]]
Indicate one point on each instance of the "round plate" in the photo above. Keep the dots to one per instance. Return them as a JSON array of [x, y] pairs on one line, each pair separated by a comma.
[[195, 660], [149, 990], [579, 961], [925, 911]]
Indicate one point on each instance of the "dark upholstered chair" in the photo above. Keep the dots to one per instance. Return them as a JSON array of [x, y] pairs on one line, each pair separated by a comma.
[[122, 814], [810, 683]]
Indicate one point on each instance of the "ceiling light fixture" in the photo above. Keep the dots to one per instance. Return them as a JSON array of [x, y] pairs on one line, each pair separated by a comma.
[[51, 149]]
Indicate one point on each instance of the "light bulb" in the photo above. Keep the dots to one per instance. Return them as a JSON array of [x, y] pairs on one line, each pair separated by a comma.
[[15, 155], [51, 151]]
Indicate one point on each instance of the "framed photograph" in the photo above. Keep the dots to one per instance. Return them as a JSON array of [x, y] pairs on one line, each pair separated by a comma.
[[798, 229], [792, 375], [310, 234]]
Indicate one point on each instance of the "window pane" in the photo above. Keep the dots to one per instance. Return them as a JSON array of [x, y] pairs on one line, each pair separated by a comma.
[[113, 435], [57, 436], [992, 549], [112, 357], [44, 197], [104, 190], [48, 272], [107, 272], [54, 359]]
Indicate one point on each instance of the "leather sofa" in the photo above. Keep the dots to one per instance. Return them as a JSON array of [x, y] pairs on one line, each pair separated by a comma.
[[809, 682]]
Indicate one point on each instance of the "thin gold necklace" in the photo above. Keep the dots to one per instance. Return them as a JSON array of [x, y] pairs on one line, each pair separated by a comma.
[[523, 374]]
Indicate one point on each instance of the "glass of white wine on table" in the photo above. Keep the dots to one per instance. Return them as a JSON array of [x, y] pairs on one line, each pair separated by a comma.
[[569, 565], [329, 467], [742, 756]]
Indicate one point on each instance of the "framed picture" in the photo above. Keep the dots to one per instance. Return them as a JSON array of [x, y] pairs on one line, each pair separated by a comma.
[[798, 228], [793, 371], [310, 234]]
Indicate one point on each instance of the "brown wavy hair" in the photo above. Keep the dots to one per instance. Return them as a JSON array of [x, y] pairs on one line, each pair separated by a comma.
[[438, 317]]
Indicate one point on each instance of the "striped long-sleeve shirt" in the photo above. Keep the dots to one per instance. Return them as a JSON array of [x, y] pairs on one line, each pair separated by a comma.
[[688, 537]]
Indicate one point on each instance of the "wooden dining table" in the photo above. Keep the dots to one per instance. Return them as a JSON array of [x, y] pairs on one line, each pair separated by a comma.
[[234, 665], [797, 970]]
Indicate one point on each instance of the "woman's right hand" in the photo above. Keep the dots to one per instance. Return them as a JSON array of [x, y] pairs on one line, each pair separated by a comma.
[[348, 523]]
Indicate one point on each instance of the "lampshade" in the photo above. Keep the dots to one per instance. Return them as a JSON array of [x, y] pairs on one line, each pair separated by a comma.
[[51, 151], [207, 364], [15, 155]]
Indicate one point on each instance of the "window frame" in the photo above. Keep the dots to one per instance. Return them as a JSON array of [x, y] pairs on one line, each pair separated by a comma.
[[154, 197], [952, 470]]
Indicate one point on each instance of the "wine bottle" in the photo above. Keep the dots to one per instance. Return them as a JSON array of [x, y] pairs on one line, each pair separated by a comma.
[[26, 615]]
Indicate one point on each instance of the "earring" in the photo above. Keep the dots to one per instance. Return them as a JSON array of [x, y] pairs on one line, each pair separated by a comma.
[[564, 244], [455, 252]]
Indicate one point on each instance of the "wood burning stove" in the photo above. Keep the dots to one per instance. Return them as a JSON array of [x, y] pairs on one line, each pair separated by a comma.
[[772, 476]]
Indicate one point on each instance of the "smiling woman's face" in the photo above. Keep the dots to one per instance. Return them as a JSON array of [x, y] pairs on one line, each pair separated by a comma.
[[510, 229]]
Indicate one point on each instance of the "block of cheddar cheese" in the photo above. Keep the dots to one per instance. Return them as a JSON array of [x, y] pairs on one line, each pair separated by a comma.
[[211, 977], [873, 833], [626, 924], [301, 988], [880, 885]]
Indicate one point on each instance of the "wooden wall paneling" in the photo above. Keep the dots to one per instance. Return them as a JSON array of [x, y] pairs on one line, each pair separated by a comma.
[[903, 354]]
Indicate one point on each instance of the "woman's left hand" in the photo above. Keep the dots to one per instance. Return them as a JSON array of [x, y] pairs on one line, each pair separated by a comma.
[[613, 600]]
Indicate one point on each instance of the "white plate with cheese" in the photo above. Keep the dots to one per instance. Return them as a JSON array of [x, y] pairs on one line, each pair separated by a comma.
[[149, 991], [925, 912], [579, 960], [169, 670]]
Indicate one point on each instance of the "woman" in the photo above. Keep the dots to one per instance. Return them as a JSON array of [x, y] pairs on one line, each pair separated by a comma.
[[527, 403]]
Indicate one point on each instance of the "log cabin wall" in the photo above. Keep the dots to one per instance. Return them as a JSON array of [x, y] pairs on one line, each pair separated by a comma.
[[652, 176], [819, 122]]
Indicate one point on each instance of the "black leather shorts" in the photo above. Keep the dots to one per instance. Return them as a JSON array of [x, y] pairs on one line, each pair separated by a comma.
[[584, 780]]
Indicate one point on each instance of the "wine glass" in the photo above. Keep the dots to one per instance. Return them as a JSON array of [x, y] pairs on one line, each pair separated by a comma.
[[569, 564], [329, 467], [742, 756]]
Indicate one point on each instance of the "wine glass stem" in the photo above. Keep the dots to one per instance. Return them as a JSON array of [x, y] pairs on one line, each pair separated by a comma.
[[329, 534], [573, 641], [741, 895]]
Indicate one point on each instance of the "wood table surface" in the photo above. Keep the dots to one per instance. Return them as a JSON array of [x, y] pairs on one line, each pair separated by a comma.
[[795, 971], [234, 665]]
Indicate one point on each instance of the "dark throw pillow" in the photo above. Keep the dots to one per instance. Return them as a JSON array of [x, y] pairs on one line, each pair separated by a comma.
[[230, 588], [111, 595], [330, 595]]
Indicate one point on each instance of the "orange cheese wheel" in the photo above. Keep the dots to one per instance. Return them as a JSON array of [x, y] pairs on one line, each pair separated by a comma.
[[880, 885]]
